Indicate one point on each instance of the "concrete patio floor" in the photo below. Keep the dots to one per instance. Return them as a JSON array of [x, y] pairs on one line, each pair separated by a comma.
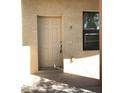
[[56, 81]]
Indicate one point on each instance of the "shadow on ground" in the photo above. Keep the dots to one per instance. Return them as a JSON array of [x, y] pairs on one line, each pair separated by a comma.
[[59, 82]]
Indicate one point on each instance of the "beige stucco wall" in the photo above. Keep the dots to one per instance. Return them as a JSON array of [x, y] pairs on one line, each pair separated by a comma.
[[71, 12]]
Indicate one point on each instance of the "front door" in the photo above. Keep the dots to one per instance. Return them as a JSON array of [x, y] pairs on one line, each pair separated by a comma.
[[49, 42]]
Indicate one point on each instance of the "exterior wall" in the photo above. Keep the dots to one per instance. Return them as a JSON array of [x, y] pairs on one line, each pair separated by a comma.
[[71, 12]]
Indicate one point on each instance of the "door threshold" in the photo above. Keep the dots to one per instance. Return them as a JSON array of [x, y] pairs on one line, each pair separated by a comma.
[[57, 68], [51, 68]]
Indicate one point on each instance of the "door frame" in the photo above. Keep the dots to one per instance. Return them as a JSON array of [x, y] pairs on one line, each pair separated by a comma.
[[61, 37]]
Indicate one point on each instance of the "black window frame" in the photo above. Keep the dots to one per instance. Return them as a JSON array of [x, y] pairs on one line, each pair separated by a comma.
[[90, 33]]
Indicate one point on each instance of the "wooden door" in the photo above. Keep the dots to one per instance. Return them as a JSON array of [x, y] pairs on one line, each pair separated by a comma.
[[49, 38]]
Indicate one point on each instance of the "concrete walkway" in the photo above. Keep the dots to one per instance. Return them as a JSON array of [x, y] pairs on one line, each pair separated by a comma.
[[56, 81]]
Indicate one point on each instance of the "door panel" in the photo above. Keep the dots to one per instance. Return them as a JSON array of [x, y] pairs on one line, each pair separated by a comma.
[[49, 37]]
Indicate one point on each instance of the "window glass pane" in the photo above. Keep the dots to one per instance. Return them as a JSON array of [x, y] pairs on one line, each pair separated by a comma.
[[91, 20]]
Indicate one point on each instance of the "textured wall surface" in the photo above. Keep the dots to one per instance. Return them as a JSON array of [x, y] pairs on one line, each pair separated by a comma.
[[71, 13]]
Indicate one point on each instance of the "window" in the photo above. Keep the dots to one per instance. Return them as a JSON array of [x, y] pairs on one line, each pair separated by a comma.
[[90, 30]]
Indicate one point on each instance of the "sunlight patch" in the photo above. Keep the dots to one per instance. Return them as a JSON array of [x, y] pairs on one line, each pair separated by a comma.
[[87, 67]]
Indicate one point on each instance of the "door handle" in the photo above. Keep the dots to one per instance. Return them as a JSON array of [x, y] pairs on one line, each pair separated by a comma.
[[60, 46]]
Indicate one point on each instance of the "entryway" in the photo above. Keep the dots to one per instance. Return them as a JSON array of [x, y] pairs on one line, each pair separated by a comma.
[[49, 42]]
